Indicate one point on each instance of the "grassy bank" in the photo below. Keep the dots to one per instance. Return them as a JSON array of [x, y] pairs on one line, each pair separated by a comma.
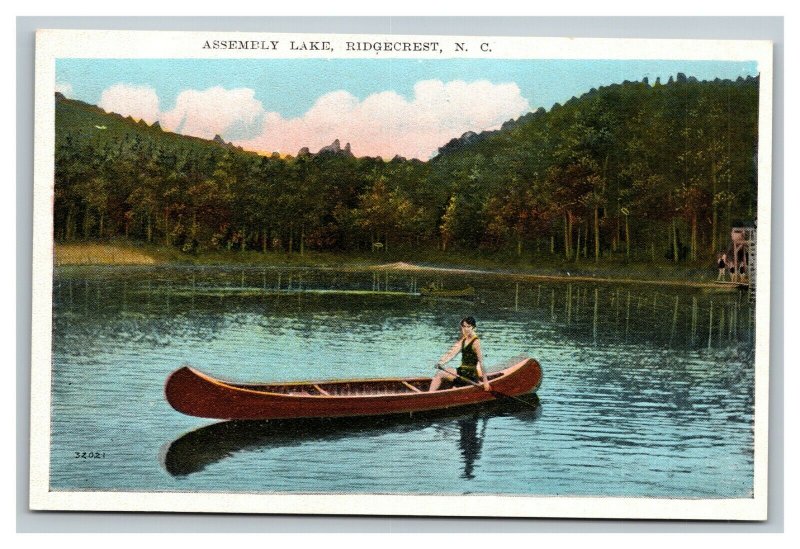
[[127, 253], [103, 254]]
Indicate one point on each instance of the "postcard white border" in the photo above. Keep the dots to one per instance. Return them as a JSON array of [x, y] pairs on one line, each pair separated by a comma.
[[53, 44]]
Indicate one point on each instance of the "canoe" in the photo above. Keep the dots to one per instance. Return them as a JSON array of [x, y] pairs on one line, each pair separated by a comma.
[[434, 292], [194, 393]]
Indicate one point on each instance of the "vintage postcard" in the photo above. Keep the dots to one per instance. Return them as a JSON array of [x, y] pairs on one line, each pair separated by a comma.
[[401, 275]]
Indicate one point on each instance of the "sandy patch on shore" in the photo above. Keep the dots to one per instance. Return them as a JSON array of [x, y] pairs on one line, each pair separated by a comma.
[[398, 266]]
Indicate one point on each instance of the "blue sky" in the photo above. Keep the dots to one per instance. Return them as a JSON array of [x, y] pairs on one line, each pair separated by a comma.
[[291, 86], [275, 96]]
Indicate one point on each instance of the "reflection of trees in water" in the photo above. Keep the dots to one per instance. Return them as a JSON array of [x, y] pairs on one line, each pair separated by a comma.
[[149, 312], [587, 313], [198, 449], [118, 315], [652, 356], [603, 314]]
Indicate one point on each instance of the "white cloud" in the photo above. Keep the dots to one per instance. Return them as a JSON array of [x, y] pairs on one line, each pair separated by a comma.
[[386, 123], [64, 88], [383, 124], [215, 111], [201, 113], [140, 102]]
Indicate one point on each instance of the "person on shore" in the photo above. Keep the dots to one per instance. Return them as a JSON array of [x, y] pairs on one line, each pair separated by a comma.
[[722, 260], [471, 359]]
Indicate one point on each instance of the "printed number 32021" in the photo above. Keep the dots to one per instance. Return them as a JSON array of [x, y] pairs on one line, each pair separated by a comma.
[[90, 455]]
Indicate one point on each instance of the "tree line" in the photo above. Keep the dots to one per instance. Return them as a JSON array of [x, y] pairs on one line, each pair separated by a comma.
[[631, 170]]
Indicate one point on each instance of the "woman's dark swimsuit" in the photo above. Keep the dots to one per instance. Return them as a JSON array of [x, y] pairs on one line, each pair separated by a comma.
[[469, 363]]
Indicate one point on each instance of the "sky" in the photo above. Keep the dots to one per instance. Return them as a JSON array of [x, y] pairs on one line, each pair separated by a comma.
[[382, 107]]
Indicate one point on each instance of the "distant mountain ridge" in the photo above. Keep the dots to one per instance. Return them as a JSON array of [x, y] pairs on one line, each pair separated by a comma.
[[334, 148], [467, 141], [129, 123], [471, 138], [73, 115]]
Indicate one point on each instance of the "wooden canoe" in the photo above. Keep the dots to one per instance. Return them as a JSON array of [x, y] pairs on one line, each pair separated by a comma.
[[192, 392]]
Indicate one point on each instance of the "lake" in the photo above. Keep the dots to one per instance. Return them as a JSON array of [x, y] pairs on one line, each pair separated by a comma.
[[647, 390]]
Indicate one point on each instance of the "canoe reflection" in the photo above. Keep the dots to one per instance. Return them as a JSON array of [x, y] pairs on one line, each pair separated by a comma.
[[196, 450]]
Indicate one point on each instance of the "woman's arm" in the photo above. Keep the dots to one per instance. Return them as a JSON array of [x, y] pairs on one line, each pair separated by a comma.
[[481, 372], [448, 356]]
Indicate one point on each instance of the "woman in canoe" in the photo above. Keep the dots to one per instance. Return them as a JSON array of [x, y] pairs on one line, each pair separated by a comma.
[[471, 359]]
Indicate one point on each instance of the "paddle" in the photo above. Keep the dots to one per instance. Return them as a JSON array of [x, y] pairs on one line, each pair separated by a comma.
[[479, 386]]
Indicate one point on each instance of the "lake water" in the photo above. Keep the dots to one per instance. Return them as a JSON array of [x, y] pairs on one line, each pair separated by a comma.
[[647, 390]]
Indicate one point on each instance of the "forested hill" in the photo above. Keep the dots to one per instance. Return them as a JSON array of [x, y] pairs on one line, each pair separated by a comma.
[[634, 169], [75, 118]]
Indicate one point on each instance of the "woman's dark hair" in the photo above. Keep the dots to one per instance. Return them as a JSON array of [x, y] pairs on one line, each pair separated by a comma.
[[469, 320]]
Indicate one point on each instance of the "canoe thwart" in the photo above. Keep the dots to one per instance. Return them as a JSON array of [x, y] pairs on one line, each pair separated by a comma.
[[407, 384]]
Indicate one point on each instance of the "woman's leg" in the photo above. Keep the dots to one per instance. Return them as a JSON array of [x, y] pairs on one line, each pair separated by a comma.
[[449, 374]]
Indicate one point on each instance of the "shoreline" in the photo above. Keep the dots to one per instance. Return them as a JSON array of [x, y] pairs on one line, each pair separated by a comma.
[[124, 255], [410, 267]]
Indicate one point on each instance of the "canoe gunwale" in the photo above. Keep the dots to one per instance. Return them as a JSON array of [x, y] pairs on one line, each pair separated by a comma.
[[244, 388]]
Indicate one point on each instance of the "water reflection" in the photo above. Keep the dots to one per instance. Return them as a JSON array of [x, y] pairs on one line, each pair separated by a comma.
[[471, 442], [649, 390], [198, 449], [597, 314]]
